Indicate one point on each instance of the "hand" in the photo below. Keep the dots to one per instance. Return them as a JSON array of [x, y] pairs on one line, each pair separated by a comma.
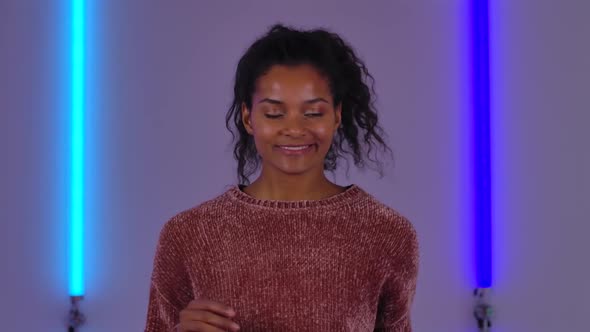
[[206, 316]]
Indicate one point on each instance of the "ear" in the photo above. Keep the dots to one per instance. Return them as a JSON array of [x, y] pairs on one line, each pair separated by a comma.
[[338, 116], [246, 119]]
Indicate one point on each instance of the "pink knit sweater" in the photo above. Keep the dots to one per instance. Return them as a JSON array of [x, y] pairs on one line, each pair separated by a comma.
[[343, 263]]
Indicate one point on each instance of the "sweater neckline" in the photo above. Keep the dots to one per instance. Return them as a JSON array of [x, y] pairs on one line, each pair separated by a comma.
[[348, 194]]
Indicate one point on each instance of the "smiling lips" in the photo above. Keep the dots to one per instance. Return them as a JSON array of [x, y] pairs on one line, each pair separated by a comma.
[[295, 149]]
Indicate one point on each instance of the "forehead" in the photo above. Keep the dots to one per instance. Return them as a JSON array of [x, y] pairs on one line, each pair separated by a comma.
[[301, 81]]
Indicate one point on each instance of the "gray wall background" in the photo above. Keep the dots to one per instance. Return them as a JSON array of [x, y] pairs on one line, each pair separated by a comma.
[[159, 85]]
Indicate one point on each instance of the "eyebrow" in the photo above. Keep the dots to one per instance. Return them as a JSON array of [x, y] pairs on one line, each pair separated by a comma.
[[278, 102]]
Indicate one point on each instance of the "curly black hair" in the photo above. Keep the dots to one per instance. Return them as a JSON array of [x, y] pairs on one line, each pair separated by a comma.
[[346, 74]]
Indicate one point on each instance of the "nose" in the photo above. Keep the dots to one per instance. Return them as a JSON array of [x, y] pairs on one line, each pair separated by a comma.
[[294, 126]]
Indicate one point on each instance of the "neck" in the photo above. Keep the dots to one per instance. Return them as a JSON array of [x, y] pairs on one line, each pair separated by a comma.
[[292, 187]]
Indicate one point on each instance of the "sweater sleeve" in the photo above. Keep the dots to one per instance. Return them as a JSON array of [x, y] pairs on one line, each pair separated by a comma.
[[397, 293], [170, 287]]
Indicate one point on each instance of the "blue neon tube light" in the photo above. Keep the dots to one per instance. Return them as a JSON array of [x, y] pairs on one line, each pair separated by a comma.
[[481, 127], [76, 235]]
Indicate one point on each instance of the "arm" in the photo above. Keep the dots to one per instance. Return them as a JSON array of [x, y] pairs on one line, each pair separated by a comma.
[[170, 288], [397, 293]]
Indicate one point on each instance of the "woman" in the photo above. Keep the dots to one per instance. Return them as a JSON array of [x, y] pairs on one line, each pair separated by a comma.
[[291, 251]]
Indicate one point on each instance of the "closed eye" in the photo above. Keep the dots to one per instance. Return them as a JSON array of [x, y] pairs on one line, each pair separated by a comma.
[[270, 116], [311, 115]]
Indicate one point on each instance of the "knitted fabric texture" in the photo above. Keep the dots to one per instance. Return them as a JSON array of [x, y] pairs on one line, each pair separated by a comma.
[[343, 263]]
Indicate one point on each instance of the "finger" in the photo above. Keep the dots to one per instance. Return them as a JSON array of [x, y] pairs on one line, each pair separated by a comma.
[[212, 306], [198, 315], [198, 326]]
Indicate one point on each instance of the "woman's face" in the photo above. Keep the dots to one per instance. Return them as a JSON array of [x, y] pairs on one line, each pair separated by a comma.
[[292, 106]]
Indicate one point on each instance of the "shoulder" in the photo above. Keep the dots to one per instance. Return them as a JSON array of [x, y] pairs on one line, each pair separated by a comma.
[[395, 229], [386, 216], [189, 219]]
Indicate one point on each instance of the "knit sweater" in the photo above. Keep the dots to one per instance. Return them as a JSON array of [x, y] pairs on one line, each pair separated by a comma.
[[343, 263]]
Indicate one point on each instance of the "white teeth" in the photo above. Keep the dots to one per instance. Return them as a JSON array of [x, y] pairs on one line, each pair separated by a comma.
[[295, 148]]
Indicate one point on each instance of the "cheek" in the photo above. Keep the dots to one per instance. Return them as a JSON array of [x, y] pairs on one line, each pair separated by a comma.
[[263, 134], [324, 134], [264, 137], [265, 131]]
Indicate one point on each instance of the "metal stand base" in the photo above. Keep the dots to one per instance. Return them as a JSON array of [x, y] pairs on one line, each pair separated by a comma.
[[483, 311], [75, 318]]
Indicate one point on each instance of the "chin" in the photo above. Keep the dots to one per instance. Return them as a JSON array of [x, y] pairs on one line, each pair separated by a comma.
[[293, 170], [297, 169]]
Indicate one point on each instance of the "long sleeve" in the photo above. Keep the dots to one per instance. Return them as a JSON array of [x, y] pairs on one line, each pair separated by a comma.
[[170, 288], [399, 288]]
